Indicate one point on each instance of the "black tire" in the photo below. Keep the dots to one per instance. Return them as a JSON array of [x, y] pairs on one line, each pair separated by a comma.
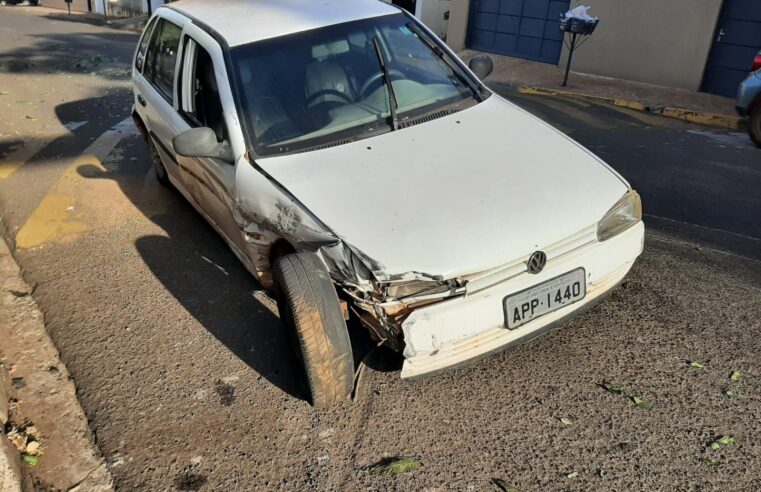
[[158, 165], [754, 126], [310, 310]]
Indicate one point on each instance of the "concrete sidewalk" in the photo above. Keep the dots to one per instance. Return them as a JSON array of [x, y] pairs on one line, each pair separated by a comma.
[[545, 79]]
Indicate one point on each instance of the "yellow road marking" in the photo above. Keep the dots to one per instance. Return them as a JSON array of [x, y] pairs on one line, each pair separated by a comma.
[[9, 167], [577, 114], [58, 214], [20, 156]]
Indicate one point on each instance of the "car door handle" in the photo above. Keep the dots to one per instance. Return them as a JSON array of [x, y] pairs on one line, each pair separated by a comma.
[[141, 100]]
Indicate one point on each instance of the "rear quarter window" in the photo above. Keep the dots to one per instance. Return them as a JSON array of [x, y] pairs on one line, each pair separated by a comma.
[[143, 46], [161, 60]]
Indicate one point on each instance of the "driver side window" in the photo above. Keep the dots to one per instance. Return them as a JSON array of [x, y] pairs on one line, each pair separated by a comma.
[[201, 103]]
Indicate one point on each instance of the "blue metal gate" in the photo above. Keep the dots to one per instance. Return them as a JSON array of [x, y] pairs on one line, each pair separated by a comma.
[[522, 28], [736, 41]]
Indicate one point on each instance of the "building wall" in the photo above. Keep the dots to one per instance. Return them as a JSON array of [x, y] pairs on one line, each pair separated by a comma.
[[656, 41], [457, 28], [433, 14], [76, 5], [663, 42]]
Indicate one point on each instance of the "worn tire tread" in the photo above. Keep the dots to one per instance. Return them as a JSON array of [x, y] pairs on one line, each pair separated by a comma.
[[309, 299]]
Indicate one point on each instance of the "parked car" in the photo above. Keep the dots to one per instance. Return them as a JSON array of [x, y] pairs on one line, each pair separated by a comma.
[[749, 100], [362, 172]]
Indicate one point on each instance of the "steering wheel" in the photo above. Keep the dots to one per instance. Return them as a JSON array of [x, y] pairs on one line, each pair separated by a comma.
[[376, 77], [328, 92]]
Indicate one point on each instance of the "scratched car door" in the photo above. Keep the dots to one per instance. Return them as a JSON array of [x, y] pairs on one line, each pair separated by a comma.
[[210, 182]]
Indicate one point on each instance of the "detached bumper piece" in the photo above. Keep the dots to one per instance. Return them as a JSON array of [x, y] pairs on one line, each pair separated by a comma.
[[463, 330]]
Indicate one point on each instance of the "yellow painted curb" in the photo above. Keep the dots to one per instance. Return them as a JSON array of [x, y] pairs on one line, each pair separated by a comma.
[[699, 117]]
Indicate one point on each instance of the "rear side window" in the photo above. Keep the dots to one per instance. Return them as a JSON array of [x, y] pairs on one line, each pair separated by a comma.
[[161, 60], [143, 47]]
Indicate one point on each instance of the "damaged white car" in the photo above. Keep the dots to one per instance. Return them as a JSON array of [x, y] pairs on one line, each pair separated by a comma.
[[361, 171]]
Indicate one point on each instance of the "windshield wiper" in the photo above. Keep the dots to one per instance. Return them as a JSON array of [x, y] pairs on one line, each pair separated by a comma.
[[387, 78]]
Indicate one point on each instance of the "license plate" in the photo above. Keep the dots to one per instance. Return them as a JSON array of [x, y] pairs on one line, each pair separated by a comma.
[[544, 298]]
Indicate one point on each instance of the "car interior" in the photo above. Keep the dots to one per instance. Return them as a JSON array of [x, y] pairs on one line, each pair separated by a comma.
[[301, 89]]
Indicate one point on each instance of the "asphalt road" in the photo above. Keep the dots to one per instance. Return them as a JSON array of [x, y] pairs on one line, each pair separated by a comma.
[[184, 372]]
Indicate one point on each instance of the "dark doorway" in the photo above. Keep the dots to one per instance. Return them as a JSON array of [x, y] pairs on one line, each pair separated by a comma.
[[735, 43], [408, 5]]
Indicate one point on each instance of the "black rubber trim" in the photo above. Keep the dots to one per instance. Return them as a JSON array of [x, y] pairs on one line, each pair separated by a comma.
[[164, 147]]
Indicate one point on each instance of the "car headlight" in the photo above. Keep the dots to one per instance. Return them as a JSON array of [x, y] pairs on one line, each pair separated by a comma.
[[624, 214]]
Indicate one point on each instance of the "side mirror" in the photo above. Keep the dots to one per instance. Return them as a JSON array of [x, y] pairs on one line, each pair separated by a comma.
[[481, 65], [202, 142]]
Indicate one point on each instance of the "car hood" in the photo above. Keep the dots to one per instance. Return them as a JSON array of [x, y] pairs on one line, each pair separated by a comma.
[[454, 196]]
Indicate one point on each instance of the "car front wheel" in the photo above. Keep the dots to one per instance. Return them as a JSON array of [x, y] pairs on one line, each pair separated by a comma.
[[310, 310]]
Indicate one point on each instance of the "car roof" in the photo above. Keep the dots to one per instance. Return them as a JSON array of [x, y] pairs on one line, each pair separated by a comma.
[[246, 21]]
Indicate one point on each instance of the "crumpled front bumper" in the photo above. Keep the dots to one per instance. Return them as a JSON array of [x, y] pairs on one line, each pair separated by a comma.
[[468, 328]]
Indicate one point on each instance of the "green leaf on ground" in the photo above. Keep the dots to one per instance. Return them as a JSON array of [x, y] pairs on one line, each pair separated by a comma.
[[696, 364], [642, 403], [504, 486], [736, 376], [709, 461], [5, 93], [722, 441], [566, 421], [32, 460], [726, 440], [573, 475], [395, 466], [613, 388], [733, 394]]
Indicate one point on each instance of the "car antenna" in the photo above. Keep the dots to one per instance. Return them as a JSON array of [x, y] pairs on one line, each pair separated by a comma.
[[387, 78]]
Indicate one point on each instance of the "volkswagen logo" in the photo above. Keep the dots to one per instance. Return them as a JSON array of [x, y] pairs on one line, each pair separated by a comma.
[[536, 262]]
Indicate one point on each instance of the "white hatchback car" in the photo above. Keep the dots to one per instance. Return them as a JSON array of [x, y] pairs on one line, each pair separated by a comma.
[[361, 171]]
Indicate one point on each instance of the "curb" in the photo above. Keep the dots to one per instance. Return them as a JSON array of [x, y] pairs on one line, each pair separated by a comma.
[[47, 398], [11, 478], [699, 117]]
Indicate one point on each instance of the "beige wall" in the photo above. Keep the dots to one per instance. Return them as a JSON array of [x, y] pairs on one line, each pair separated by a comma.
[[458, 24], [663, 42]]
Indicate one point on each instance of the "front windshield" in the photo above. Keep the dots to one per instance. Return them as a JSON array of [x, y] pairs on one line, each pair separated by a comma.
[[326, 86]]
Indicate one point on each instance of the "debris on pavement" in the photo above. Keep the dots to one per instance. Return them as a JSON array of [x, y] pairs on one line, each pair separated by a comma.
[[504, 486], [733, 394], [25, 437], [612, 388], [642, 403], [696, 365], [31, 460], [395, 466], [566, 421], [736, 376], [722, 441]]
